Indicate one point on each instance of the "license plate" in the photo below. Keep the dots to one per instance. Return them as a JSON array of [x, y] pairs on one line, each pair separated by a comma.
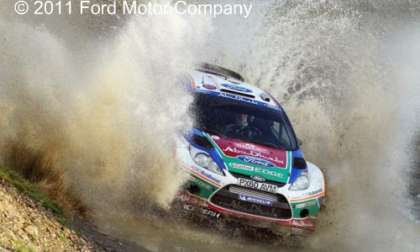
[[257, 185]]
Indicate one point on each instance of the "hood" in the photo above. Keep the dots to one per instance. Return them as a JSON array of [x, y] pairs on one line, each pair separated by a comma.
[[251, 159]]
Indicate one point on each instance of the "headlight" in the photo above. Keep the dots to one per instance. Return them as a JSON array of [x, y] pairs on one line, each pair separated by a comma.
[[301, 183], [204, 160]]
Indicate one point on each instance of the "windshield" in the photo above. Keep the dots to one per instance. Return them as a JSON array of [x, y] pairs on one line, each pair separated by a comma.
[[234, 119]]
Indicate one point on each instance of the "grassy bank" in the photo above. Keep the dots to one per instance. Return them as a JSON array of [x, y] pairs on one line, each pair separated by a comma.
[[32, 191], [33, 221]]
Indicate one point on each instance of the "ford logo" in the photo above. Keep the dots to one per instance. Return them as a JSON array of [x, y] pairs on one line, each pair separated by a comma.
[[258, 178], [256, 161]]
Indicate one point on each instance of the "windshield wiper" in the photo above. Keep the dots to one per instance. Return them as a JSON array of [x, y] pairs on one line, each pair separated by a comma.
[[272, 145], [211, 131]]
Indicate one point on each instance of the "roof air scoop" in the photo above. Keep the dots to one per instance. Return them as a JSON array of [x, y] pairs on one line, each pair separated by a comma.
[[265, 97], [214, 69]]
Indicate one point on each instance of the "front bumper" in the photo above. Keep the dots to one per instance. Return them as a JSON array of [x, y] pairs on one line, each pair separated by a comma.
[[292, 211], [277, 217]]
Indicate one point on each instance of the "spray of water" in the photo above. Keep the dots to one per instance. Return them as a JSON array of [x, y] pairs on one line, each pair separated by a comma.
[[97, 125]]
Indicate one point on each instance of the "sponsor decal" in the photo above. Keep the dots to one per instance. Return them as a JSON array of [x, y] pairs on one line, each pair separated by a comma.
[[242, 167], [237, 88], [255, 200], [250, 146], [256, 170], [268, 172], [234, 151], [210, 213], [255, 161], [210, 176], [263, 155], [240, 98], [201, 210]]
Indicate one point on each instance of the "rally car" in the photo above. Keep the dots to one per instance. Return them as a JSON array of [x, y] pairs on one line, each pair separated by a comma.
[[243, 156]]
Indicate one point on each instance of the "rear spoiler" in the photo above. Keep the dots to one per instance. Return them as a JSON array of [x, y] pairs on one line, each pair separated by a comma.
[[218, 70]]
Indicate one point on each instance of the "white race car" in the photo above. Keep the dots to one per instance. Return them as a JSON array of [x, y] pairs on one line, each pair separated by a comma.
[[244, 157]]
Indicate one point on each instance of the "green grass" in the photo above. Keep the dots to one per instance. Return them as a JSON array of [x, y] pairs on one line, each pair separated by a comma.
[[20, 246], [33, 191]]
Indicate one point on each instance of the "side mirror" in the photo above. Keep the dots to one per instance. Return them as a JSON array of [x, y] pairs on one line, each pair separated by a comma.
[[299, 141]]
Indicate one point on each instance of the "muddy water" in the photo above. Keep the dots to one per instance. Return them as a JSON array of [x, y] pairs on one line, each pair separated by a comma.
[[98, 106]]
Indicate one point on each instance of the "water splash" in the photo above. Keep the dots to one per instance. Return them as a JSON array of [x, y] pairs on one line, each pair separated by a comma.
[[100, 120]]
